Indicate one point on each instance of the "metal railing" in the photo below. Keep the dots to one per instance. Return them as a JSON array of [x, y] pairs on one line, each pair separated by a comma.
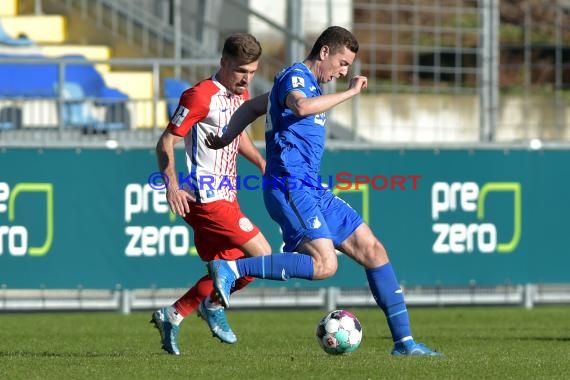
[[127, 300]]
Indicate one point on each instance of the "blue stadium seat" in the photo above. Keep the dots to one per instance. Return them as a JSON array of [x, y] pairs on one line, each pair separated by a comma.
[[40, 80], [10, 118], [173, 88], [37, 80], [77, 113]]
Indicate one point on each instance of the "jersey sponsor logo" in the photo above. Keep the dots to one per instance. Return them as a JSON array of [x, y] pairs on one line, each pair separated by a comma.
[[180, 115], [245, 225], [297, 82]]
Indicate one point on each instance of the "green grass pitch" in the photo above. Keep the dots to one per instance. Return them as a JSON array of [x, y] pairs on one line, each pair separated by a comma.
[[478, 343]]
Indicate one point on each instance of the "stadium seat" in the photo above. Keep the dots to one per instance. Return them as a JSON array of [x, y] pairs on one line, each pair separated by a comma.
[[37, 80], [5, 39], [78, 114], [40, 81], [173, 88], [10, 118]]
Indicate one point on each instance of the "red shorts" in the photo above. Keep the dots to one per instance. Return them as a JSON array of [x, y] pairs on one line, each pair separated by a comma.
[[220, 229]]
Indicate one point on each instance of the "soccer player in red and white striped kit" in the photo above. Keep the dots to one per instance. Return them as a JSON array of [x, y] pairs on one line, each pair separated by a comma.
[[207, 201]]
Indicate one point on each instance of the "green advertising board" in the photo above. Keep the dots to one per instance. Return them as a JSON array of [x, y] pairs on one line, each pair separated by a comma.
[[89, 218]]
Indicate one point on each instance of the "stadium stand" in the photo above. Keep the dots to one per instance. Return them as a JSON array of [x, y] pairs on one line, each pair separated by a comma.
[[116, 97], [40, 80]]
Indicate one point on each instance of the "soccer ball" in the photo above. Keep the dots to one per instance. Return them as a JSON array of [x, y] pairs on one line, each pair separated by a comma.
[[339, 332]]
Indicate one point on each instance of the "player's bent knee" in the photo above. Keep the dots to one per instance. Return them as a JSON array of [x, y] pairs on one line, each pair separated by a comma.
[[325, 269], [330, 271]]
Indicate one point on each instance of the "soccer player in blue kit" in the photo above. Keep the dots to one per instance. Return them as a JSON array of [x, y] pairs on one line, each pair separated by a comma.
[[313, 220]]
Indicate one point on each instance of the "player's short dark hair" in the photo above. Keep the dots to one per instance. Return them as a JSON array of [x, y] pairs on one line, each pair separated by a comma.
[[242, 47], [335, 37]]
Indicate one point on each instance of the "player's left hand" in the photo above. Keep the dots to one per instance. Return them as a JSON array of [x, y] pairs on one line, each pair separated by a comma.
[[179, 200]]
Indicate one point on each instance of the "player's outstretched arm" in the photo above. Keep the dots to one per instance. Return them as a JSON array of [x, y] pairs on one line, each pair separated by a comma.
[[245, 115], [302, 106]]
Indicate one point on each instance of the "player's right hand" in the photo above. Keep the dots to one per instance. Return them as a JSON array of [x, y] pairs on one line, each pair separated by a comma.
[[358, 83], [215, 142], [179, 201]]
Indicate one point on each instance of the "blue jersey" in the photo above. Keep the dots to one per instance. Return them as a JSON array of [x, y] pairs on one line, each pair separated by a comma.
[[294, 148], [294, 145]]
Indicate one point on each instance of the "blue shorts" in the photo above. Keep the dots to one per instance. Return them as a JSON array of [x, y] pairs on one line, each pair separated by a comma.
[[309, 212]]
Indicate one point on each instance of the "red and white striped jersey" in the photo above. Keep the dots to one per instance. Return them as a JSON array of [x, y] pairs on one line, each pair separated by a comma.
[[204, 108]]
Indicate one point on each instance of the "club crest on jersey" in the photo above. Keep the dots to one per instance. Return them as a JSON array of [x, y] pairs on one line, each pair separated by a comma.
[[298, 81], [180, 115], [320, 118], [245, 225], [314, 222]]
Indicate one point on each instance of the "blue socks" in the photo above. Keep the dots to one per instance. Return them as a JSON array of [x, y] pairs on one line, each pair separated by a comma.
[[389, 297], [278, 266], [382, 281]]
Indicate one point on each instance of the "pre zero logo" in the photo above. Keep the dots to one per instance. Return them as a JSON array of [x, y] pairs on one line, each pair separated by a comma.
[[149, 240], [14, 238], [456, 201]]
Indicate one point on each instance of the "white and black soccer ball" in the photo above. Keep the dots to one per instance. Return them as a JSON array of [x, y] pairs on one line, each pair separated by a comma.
[[339, 332]]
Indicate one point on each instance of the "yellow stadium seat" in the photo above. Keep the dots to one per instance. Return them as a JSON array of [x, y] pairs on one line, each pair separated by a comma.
[[136, 84], [91, 52], [8, 8], [40, 29]]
